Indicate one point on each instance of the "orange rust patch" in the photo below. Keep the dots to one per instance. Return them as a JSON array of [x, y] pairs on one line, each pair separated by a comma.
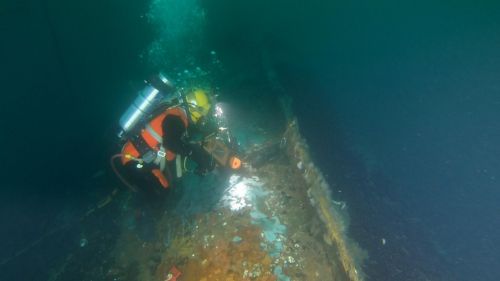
[[224, 260]]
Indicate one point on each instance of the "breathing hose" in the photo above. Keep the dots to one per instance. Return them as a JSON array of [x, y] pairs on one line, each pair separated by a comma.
[[115, 170]]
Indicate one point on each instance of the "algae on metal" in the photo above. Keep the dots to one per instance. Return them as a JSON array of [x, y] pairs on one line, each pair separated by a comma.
[[320, 197]]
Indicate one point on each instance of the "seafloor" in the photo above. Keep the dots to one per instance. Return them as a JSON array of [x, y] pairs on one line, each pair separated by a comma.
[[272, 220]]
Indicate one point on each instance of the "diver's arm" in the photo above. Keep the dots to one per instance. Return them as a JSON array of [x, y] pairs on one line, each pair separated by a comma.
[[174, 140], [173, 135], [204, 160]]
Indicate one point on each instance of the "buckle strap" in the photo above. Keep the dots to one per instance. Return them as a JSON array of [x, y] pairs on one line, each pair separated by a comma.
[[161, 158], [161, 153], [154, 134]]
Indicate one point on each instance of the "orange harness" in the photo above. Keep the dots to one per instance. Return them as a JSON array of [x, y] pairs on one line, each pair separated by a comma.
[[153, 135]]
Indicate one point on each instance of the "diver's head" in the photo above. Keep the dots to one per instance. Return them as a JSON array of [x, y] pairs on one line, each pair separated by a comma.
[[199, 104]]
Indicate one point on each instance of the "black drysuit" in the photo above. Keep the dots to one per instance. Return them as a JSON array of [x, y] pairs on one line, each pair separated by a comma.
[[174, 139]]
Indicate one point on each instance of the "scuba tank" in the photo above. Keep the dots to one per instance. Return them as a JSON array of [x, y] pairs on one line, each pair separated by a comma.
[[158, 90]]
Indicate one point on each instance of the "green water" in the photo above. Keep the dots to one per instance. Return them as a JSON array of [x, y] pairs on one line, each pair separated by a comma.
[[398, 101]]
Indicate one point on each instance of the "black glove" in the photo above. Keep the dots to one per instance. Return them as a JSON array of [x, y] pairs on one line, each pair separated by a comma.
[[204, 160]]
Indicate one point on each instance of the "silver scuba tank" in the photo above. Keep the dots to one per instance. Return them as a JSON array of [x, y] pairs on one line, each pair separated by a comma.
[[157, 90]]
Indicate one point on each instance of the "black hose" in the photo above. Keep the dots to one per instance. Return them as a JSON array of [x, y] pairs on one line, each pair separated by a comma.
[[115, 170]]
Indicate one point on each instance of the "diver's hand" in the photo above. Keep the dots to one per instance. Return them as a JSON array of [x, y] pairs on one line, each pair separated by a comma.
[[200, 171], [204, 160]]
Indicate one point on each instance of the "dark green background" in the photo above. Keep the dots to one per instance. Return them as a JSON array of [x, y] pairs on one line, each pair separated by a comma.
[[398, 100]]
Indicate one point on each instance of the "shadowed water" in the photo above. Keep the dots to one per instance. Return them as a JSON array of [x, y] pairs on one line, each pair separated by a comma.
[[398, 103]]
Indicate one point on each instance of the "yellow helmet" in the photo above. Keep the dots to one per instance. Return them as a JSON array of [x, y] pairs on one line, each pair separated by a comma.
[[198, 104]]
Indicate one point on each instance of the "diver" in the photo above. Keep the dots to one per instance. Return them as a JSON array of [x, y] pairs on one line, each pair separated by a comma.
[[164, 128]]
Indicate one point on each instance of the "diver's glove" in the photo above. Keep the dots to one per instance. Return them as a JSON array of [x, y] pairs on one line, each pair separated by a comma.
[[204, 160]]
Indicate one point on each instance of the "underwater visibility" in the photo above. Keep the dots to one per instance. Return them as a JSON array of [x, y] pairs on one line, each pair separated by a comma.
[[217, 140]]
